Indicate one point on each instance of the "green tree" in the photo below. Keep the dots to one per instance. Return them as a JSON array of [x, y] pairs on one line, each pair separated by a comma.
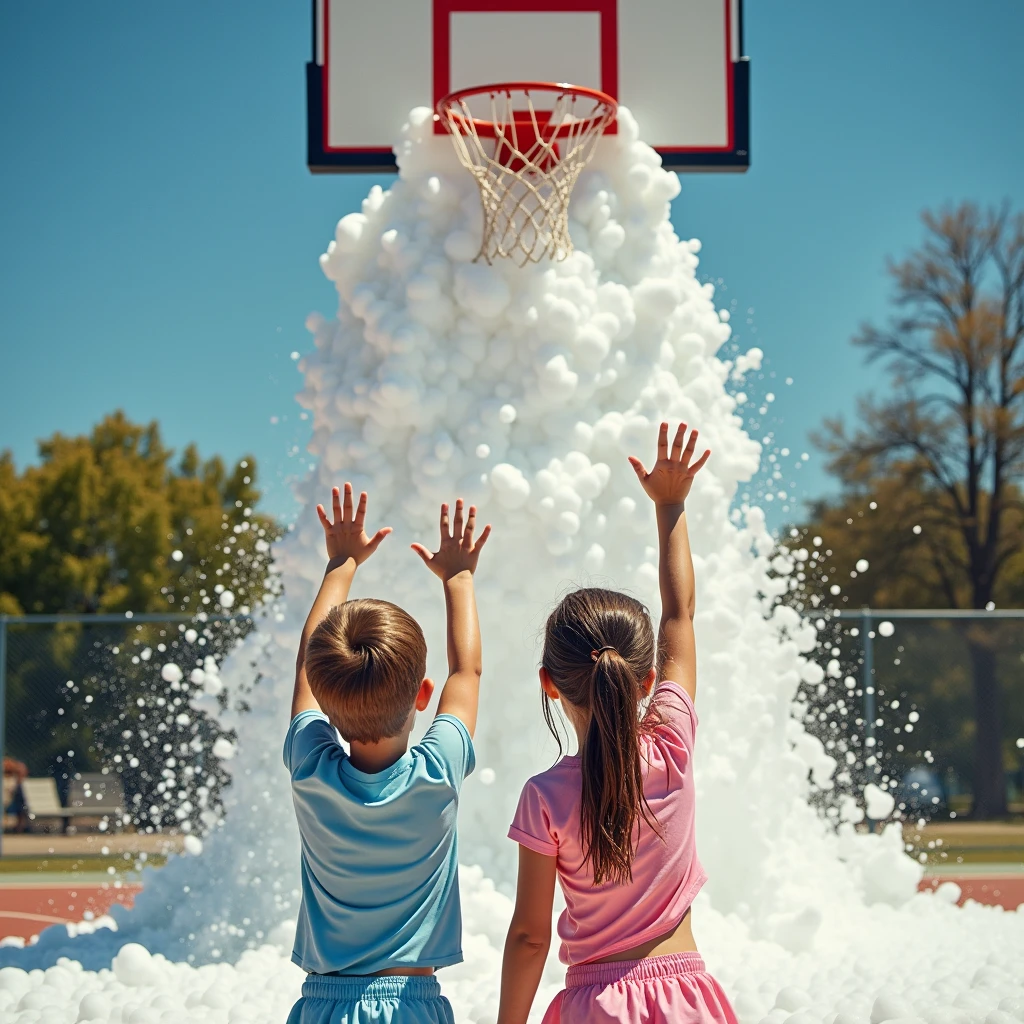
[[110, 522], [944, 452], [904, 531]]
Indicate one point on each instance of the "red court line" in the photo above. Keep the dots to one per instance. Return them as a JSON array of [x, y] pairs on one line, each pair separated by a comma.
[[1003, 890], [25, 910]]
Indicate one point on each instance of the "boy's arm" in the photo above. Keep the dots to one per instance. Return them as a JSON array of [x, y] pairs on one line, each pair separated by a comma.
[[333, 591], [668, 485], [347, 548], [461, 694], [454, 564], [529, 936]]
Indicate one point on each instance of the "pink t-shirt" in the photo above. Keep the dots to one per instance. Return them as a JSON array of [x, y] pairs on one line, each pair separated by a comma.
[[605, 919]]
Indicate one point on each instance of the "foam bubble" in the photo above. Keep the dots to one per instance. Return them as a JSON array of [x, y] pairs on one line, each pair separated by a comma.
[[880, 804], [223, 748], [170, 673]]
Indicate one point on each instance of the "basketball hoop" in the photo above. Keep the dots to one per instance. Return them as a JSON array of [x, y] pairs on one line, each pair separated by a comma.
[[526, 143]]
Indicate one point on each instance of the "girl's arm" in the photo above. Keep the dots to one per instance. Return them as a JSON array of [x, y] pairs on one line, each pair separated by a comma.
[[454, 563], [347, 547], [529, 936], [668, 485], [676, 643]]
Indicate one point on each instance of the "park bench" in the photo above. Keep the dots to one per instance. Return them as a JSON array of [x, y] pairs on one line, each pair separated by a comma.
[[42, 802], [92, 797]]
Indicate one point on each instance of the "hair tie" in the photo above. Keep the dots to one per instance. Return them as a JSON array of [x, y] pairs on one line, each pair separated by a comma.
[[594, 655]]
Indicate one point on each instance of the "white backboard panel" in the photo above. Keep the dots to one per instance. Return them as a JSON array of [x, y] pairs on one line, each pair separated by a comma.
[[676, 64], [675, 72], [530, 46], [374, 71]]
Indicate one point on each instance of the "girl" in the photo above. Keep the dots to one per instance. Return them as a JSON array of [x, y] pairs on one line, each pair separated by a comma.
[[615, 823]]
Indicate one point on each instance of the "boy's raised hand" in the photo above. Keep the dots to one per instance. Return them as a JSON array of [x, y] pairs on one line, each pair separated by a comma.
[[669, 482], [346, 537], [458, 551]]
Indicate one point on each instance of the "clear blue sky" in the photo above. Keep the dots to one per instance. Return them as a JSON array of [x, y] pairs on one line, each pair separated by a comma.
[[159, 232]]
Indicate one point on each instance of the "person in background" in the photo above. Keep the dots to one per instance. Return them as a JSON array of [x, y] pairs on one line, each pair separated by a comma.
[[15, 814], [615, 823]]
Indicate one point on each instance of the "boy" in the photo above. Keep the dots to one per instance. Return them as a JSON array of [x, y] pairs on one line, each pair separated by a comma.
[[380, 888]]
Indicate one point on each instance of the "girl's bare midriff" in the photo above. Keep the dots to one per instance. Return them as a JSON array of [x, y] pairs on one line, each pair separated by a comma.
[[678, 940]]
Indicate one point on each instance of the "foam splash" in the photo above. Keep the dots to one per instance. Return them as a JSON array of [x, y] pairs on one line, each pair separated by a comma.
[[523, 390]]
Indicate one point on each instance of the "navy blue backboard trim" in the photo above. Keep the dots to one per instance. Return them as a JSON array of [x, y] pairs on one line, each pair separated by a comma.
[[736, 159]]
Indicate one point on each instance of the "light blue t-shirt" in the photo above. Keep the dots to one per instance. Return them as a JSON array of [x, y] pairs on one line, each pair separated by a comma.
[[380, 869]]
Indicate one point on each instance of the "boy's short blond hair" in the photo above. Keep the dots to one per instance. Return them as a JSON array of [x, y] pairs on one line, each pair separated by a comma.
[[365, 663]]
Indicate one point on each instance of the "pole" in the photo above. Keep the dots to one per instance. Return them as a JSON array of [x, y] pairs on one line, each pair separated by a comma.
[[3, 708], [867, 682], [868, 676]]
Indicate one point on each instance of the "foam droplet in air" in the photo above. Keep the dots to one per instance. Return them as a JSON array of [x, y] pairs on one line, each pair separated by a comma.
[[170, 673], [880, 804], [223, 748]]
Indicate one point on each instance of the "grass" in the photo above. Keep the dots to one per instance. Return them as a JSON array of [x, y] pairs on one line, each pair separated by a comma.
[[956, 857], [76, 865], [956, 843]]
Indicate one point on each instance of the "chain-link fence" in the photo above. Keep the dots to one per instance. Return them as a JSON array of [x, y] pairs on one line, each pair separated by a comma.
[[97, 714], [86, 696], [930, 702]]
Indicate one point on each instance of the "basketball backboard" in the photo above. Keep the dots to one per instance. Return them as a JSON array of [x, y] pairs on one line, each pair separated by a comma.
[[676, 64]]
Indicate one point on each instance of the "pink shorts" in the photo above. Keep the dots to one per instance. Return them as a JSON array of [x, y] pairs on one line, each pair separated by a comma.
[[673, 989]]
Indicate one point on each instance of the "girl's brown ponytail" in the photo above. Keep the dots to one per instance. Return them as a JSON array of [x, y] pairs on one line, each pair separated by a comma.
[[599, 649]]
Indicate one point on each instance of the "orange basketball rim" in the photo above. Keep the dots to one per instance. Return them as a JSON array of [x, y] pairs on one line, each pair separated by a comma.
[[526, 144]]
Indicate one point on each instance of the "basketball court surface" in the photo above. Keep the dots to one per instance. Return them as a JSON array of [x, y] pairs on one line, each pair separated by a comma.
[[994, 888], [64, 879], [28, 904]]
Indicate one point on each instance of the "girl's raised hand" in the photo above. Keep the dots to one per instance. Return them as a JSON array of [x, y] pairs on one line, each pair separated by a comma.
[[458, 551], [346, 537], [669, 482]]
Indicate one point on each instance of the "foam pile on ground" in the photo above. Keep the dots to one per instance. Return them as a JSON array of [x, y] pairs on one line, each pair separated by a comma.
[[523, 391]]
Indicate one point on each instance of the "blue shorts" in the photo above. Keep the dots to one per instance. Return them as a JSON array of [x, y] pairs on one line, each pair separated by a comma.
[[362, 999]]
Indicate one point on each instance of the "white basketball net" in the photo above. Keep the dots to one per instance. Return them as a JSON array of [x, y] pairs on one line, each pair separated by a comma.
[[526, 161]]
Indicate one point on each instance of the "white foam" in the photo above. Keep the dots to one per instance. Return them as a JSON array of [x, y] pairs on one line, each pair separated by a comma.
[[523, 390], [879, 803]]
